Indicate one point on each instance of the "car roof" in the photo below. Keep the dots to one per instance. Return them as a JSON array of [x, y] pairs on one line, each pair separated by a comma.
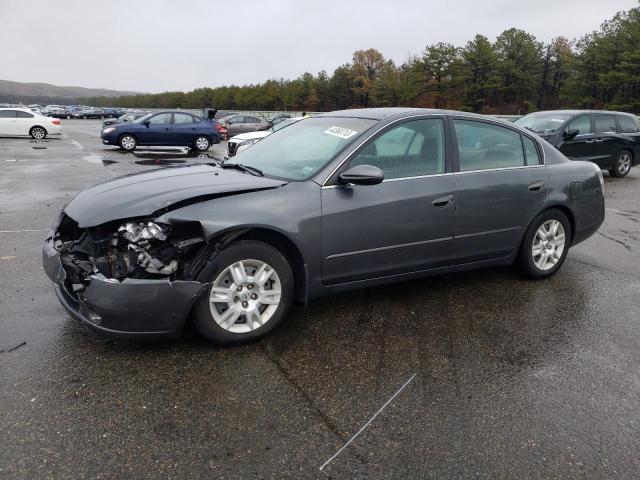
[[388, 112], [578, 112]]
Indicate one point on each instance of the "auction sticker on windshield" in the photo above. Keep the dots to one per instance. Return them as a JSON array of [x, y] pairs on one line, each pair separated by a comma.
[[340, 132]]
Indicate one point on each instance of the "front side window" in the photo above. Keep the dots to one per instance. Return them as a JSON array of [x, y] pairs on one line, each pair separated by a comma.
[[304, 148], [628, 124], [182, 118], [483, 146], [236, 120], [20, 114], [581, 123], [160, 119], [409, 150], [605, 123]]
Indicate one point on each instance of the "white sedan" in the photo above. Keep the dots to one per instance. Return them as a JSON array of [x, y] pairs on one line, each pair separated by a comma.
[[22, 121], [243, 141]]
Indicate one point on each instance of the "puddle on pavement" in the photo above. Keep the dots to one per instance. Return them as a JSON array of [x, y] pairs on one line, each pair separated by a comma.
[[39, 148], [160, 161]]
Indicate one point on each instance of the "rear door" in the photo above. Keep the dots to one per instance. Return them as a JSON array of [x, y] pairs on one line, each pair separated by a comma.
[[24, 122], [157, 131], [8, 125], [184, 129], [500, 185]]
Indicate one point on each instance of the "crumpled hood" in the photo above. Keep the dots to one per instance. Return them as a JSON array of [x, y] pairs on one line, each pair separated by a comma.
[[142, 194]]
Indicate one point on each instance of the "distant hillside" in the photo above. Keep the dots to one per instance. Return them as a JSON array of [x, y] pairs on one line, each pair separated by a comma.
[[14, 92]]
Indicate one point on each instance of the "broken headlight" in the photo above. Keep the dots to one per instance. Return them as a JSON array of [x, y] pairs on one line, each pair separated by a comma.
[[134, 232]]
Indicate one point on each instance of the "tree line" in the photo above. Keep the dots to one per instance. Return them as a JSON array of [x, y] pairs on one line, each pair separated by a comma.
[[515, 74]]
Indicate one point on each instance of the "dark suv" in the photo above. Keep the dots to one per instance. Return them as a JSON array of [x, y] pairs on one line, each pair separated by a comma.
[[609, 139]]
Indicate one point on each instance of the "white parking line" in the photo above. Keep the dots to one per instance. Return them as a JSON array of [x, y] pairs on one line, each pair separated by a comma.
[[24, 231], [370, 420], [613, 210]]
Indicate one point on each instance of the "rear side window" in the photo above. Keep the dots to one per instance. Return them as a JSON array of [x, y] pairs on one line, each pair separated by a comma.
[[628, 124], [412, 149], [605, 123], [581, 123], [251, 120], [7, 114], [20, 114], [530, 151], [484, 146], [182, 118]]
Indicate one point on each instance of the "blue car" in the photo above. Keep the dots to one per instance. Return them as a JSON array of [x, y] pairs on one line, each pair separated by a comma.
[[167, 129]]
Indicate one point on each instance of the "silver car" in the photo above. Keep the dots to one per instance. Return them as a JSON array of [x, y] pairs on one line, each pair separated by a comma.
[[237, 124]]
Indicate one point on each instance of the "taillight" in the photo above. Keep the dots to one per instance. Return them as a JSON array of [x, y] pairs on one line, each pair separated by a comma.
[[56, 122]]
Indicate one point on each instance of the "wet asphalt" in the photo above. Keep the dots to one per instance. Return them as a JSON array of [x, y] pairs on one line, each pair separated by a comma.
[[513, 378]]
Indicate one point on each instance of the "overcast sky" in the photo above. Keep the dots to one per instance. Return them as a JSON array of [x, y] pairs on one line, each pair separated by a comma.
[[160, 45]]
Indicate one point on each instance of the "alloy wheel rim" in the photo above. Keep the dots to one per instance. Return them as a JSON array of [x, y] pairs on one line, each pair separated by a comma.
[[624, 163], [38, 133], [128, 142], [202, 143], [245, 296], [548, 244]]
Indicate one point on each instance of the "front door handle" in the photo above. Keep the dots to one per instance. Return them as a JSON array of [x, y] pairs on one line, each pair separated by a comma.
[[442, 201], [598, 140], [536, 186]]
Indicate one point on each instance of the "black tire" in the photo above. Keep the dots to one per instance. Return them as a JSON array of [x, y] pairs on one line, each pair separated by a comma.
[[38, 133], [245, 250], [201, 143], [127, 142], [525, 260], [622, 165]]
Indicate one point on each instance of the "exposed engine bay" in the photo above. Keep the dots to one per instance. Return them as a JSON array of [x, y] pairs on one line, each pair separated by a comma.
[[140, 249]]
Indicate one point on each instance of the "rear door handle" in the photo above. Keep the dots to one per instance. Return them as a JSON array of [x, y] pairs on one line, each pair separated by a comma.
[[536, 186], [442, 201]]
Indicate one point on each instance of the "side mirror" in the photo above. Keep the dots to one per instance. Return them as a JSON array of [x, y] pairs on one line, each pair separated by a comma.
[[147, 122], [570, 134], [362, 175]]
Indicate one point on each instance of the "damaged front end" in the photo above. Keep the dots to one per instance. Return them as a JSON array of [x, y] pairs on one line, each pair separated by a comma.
[[127, 278]]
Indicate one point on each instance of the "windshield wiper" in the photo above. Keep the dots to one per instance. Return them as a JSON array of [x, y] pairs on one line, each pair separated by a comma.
[[244, 168]]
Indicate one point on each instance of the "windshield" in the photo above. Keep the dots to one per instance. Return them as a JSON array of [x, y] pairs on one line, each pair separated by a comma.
[[543, 122], [143, 118], [305, 147]]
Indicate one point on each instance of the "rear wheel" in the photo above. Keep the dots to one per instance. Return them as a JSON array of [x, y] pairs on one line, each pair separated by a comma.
[[545, 245], [250, 294], [128, 142], [202, 143], [623, 164], [38, 133]]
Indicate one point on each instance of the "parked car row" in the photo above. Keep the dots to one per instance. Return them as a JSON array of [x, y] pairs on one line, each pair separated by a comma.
[[243, 141]]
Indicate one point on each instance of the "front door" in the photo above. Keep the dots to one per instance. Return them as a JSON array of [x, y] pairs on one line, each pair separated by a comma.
[[157, 131], [401, 225], [8, 122], [500, 184], [579, 147]]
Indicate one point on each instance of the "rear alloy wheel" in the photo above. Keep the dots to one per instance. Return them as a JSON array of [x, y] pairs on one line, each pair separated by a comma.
[[622, 165], [38, 133], [202, 143], [545, 244], [128, 143], [250, 294]]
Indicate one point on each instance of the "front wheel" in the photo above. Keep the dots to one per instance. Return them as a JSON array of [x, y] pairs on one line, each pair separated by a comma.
[[128, 142], [545, 245], [623, 164], [38, 133], [250, 294], [202, 143]]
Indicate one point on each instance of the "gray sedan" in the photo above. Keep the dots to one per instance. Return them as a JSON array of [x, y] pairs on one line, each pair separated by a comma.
[[340, 201], [237, 124]]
